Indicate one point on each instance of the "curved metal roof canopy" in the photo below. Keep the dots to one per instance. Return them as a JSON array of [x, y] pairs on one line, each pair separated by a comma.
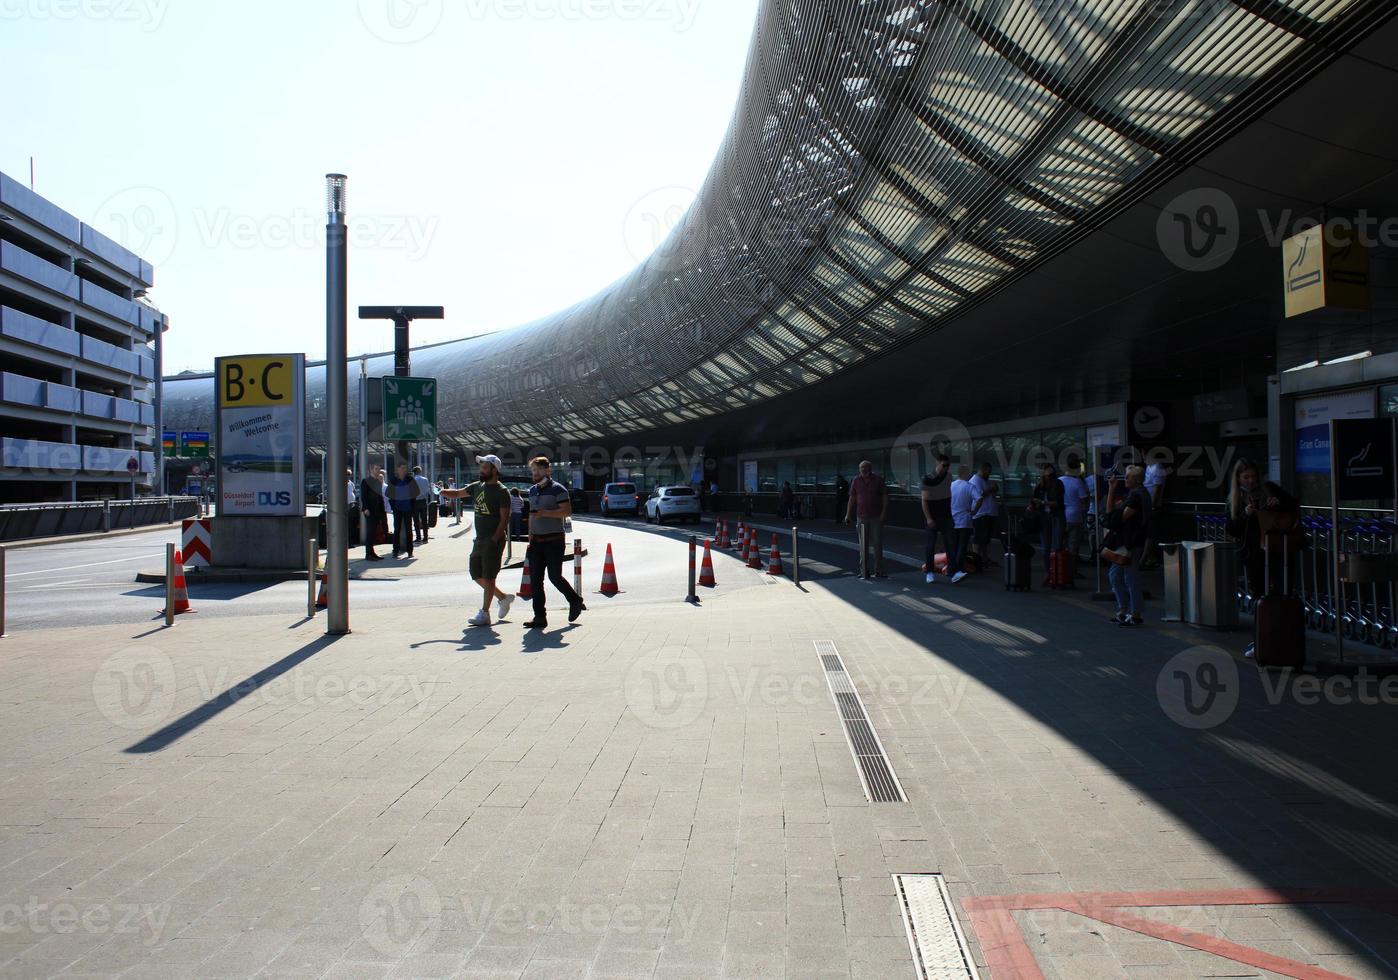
[[890, 162]]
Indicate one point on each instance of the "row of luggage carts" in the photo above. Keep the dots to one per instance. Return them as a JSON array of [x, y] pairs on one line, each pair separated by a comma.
[[1367, 611]]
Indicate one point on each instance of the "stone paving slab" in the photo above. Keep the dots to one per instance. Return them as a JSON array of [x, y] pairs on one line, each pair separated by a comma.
[[660, 791]]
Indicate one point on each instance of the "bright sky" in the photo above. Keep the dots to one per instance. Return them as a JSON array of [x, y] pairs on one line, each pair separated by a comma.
[[506, 157]]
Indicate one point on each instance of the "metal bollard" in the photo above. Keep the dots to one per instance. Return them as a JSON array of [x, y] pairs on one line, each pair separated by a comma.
[[106, 516], [170, 506], [795, 557], [312, 554], [577, 565], [2, 590], [170, 584], [693, 594]]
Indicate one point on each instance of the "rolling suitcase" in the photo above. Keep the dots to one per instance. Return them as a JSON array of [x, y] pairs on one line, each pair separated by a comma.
[[1062, 569], [1279, 621], [433, 509], [1017, 561]]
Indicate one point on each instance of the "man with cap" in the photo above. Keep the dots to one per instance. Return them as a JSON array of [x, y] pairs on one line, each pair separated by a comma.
[[490, 502]]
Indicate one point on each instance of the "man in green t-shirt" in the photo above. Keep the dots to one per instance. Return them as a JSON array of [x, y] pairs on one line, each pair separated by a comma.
[[490, 502]]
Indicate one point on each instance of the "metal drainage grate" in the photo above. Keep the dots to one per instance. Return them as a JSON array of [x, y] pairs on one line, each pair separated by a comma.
[[876, 775], [938, 944]]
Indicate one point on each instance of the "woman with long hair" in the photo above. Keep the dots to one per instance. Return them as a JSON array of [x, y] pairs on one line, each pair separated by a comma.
[[1249, 499]]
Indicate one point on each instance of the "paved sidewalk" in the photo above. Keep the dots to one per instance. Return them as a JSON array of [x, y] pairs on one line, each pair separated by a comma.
[[667, 791]]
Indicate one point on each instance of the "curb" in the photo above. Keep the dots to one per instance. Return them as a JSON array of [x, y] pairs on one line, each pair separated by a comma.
[[195, 575]]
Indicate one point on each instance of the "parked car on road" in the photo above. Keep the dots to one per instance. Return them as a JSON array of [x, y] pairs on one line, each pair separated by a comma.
[[620, 498], [672, 504]]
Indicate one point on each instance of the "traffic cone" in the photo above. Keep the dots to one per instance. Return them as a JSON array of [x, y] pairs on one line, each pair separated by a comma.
[[774, 566], [180, 598], [526, 585], [706, 570], [754, 552], [721, 537], [323, 596], [609, 586], [741, 542]]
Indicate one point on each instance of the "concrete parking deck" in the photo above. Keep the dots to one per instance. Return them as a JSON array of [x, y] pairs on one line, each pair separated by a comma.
[[668, 791]]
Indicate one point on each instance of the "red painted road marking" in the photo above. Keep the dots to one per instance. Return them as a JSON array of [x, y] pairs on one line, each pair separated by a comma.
[[1008, 956]]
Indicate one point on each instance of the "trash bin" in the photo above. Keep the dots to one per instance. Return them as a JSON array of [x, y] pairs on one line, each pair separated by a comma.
[[1172, 561], [1210, 584]]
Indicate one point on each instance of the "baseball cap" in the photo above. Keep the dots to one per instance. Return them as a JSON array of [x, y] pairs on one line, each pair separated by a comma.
[[492, 460]]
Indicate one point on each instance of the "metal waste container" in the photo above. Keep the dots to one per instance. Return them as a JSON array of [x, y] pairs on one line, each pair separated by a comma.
[[1172, 555], [1210, 583]]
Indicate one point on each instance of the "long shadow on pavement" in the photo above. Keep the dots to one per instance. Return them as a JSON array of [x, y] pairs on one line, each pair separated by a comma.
[[213, 707]]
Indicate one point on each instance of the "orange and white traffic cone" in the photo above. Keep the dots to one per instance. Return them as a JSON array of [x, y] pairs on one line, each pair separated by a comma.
[[609, 586], [180, 597], [774, 566], [740, 543], [706, 570], [721, 535], [526, 584], [754, 552], [323, 596]]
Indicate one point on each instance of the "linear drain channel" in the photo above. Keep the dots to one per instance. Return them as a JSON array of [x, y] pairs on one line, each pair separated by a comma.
[[876, 775], [938, 944]]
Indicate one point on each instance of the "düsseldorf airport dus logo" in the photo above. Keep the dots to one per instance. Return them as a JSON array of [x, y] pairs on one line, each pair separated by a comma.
[[1198, 688], [1199, 230]]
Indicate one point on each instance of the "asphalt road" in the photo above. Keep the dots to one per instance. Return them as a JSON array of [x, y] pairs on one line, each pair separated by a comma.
[[93, 582]]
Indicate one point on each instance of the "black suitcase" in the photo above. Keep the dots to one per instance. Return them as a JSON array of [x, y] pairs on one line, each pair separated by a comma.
[[432, 510], [1018, 559], [1279, 621]]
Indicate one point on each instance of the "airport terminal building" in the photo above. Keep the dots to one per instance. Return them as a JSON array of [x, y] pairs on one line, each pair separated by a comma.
[[1012, 231]]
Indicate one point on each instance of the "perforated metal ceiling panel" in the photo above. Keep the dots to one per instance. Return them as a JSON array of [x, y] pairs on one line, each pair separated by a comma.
[[890, 162]]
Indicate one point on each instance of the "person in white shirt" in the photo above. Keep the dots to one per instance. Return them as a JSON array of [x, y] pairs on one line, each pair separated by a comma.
[[985, 510], [1076, 498], [962, 501], [420, 505]]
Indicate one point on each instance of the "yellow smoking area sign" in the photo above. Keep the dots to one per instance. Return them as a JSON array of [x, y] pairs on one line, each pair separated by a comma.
[[252, 382], [1325, 267]]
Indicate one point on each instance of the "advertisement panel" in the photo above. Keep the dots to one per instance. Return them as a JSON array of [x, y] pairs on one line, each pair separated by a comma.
[[261, 435]]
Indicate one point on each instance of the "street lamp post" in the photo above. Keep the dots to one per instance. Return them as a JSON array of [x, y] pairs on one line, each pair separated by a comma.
[[337, 405]]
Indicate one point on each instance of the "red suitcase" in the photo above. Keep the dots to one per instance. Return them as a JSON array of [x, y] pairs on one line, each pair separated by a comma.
[[1062, 569], [1279, 621]]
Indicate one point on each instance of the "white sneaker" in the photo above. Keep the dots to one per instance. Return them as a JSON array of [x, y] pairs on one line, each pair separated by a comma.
[[958, 577], [481, 618], [931, 577], [505, 605]]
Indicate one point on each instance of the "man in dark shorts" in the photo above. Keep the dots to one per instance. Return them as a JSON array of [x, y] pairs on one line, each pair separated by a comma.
[[550, 505], [490, 502]]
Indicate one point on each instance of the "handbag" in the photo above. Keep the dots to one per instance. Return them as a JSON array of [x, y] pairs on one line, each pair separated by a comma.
[[380, 531], [1116, 556]]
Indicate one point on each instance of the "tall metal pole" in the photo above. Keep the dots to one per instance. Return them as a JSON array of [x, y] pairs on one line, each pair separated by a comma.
[[337, 404], [158, 436]]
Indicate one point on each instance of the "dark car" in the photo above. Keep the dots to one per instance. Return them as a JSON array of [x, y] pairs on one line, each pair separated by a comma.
[[579, 499]]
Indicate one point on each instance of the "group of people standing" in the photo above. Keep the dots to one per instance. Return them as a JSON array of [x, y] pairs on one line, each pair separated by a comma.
[[407, 495]]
